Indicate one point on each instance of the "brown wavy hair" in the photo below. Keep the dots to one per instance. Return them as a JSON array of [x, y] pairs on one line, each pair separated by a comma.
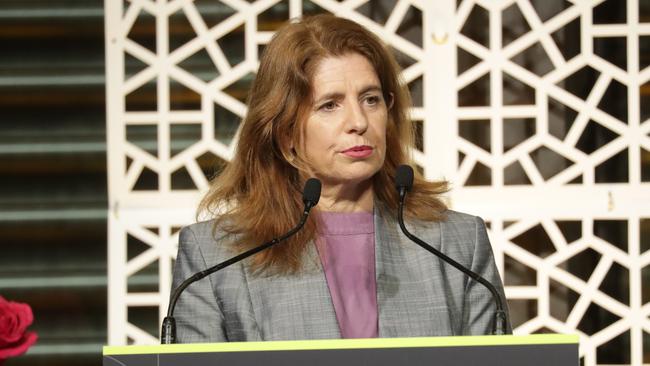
[[258, 195]]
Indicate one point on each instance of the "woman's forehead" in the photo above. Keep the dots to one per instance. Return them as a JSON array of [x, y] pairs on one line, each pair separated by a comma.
[[337, 74]]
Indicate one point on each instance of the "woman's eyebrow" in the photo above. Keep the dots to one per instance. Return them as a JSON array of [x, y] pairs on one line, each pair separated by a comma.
[[331, 95], [339, 95], [370, 88]]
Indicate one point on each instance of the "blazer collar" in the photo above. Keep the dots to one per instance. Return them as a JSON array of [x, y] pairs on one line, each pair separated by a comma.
[[397, 314]]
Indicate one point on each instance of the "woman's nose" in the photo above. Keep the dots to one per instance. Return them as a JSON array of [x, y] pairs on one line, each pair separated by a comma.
[[356, 120]]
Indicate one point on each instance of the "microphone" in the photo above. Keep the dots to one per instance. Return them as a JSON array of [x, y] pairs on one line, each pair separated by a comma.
[[404, 183], [310, 197]]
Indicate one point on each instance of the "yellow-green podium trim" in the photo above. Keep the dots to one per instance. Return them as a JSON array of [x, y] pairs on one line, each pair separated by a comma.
[[346, 344]]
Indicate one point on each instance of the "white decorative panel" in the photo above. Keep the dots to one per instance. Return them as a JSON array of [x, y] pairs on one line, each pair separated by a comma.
[[550, 139], [532, 109]]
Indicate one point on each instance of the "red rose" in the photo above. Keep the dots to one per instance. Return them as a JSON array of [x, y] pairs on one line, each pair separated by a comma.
[[14, 320]]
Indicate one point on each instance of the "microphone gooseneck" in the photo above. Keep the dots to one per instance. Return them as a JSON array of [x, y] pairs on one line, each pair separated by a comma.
[[310, 197], [404, 183]]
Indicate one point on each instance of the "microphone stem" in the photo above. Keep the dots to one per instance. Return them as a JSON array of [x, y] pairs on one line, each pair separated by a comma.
[[500, 315], [197, 276], [168, 334]]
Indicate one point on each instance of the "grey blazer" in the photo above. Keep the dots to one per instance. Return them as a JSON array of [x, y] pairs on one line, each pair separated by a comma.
[[417, 293]]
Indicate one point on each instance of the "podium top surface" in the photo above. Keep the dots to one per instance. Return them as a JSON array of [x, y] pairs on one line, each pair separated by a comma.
[[457, 341]]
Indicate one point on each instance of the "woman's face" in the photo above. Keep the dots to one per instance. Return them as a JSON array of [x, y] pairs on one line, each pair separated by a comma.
[[345, 131]]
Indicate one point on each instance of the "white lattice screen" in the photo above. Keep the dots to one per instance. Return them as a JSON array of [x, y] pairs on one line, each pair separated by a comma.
[[506, 95]]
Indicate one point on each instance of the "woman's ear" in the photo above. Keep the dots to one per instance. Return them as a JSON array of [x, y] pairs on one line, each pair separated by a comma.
[[391, 101], [288, 153], [292, 154]]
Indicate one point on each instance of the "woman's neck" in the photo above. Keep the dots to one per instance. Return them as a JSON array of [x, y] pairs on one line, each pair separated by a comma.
[[347, 197]]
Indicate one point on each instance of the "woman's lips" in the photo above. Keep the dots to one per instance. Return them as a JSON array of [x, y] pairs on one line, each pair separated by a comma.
[[358, 151]]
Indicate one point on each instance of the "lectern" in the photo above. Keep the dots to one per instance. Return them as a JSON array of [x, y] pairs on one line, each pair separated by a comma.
[[531, 350]]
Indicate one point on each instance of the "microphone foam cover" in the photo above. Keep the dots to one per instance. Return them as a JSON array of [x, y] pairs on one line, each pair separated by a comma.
[[311, 193], [404, 177]]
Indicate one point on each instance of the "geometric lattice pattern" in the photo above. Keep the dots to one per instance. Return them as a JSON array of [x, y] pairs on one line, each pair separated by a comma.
[[534, 110], [549, 88], [552, 127], [561, 274]]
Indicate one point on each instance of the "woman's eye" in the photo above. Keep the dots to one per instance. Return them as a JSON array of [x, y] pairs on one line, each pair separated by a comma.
[[329, 106], [372, 100]]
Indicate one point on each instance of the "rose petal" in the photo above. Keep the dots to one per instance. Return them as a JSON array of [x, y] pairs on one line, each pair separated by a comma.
[[8, 324], [4, 304], [20, 347], [14, 320], [24, 314]]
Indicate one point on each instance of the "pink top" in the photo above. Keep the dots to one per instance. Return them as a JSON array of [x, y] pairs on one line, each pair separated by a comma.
[[346, 246]]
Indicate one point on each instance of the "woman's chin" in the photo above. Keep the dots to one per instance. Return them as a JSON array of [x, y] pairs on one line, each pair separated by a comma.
[[349, 178]]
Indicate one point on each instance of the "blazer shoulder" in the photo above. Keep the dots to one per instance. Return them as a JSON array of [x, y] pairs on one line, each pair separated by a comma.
[[208, 238], [462, 223], [460, 218], [199, 230], [462, 232]]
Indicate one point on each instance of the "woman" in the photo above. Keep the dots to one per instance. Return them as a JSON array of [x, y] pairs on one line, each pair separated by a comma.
[[327, 102]]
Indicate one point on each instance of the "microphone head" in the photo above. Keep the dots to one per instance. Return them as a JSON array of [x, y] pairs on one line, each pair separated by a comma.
[[311, 193], [404, 177]]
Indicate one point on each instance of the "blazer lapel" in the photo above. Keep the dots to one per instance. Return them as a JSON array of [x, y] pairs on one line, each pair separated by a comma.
[[289, 307], [404, 279]]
